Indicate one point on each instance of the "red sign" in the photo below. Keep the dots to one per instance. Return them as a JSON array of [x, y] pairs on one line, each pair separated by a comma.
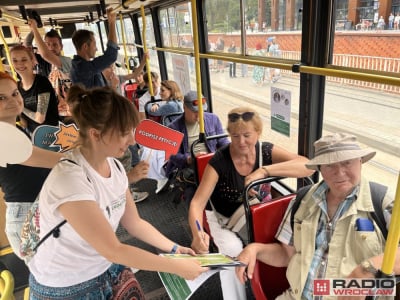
[[159, 137]]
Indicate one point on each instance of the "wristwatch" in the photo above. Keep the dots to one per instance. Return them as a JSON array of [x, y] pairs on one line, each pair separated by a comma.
[[367, 266]]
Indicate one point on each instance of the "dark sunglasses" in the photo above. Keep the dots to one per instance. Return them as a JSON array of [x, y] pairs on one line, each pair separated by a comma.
[[196, 102], [246, 116]]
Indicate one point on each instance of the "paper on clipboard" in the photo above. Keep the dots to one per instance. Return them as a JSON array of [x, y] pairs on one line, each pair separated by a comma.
[[180, 289]]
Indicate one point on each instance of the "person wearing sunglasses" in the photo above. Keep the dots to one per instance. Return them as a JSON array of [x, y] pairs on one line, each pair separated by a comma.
[[188, 124], [228, 172]]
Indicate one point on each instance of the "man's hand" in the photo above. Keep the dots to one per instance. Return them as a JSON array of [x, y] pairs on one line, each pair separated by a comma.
[[111, 15], [32, 24]]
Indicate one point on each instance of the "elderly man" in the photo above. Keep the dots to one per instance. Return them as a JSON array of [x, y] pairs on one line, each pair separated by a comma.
[[188, 124], [321, 238]]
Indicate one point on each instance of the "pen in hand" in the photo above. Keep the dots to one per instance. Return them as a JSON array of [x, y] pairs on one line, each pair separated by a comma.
[[199, 228]]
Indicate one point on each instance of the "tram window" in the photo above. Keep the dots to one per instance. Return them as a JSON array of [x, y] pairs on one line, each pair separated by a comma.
[[176, 26], [150, 42], [185, 76], [372, 116], [6, 31]]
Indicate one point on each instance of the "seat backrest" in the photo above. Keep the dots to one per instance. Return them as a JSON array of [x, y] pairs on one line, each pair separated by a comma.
[[168, 119], [149, 116], [201, 163], [268, 282]]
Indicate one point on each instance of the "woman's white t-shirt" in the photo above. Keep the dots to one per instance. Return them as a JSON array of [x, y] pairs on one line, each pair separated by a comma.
[[68, 259]]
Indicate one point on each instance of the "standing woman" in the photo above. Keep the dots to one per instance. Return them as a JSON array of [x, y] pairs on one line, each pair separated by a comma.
[[20, 183], [172, 95], [90, 191], [258, 71], [40, 101]]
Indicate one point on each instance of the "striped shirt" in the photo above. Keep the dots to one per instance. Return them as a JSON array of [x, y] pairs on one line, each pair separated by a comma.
[[325, 230]]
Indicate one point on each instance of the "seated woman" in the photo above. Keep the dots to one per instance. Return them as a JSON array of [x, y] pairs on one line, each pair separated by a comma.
[[172, 95], [90, 191], [229, 170]]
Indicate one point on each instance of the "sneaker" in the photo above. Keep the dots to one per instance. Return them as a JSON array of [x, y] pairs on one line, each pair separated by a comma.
[[161, 184], [139, 196]]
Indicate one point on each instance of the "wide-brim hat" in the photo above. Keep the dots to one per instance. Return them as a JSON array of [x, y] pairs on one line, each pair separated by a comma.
[[338, 147]]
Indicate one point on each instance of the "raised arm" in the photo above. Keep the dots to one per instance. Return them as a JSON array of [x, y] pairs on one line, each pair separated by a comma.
[[48, 55], [139, 69], [111, 17], [284, 163]]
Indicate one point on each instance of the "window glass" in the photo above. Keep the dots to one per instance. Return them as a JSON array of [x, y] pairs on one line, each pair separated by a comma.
[[150, 42], [371, 115], [176, 26]]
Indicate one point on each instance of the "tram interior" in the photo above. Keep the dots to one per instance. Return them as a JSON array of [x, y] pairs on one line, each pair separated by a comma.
[[360, 105]]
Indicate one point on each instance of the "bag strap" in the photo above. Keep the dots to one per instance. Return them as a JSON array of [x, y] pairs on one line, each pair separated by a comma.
[[378, 192], [55, 232]]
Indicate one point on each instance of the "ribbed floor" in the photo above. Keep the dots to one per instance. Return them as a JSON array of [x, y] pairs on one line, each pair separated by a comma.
[[170, 219]]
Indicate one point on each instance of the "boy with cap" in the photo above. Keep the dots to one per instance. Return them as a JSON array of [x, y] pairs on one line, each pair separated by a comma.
[[327, 216], [188, 124]]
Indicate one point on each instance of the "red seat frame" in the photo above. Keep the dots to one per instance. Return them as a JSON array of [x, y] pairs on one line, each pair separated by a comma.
[[268, 282]]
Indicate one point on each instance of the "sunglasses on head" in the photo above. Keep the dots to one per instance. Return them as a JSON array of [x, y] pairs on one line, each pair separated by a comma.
[[196, 102], [246, 116]]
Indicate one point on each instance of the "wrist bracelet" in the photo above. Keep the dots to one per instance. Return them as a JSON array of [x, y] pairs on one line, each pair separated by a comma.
[[174, 248]]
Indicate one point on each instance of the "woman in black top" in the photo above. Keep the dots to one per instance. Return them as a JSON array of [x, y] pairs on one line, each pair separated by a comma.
[[40, 101]]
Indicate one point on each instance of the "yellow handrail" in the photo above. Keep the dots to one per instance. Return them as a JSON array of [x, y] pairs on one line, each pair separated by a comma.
[[8, 54], [151, 91], [6, 285], [197, 65], [392, 241], [124, 42]]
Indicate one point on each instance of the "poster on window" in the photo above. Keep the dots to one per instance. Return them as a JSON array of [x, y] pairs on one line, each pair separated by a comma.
[[280, 110], [180, 67]]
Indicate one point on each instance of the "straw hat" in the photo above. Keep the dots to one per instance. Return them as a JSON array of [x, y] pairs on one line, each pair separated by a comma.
[[336, 148]]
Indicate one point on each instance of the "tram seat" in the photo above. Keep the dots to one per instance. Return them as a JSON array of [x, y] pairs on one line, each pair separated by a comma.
[[263, 221], [200, 164], [168, 119], [130, 89], [147, 111], [268, 282]]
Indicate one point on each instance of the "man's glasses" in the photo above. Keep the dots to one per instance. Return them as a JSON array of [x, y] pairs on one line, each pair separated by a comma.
[[246, 116], [196, 102]]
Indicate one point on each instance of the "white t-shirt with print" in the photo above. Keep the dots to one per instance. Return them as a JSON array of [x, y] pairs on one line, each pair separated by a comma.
[[69, 260]]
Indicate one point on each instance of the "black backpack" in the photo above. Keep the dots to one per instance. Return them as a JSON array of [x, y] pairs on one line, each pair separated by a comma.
[[378, 192]]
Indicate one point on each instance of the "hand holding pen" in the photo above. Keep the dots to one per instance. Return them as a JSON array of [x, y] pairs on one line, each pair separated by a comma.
[[201, 241]]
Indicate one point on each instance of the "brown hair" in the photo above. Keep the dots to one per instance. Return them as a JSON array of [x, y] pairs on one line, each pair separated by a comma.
[[81, 37], [255, 120], [101, 108], [4, 75], [172, 86], [22, 48], [154, 76]]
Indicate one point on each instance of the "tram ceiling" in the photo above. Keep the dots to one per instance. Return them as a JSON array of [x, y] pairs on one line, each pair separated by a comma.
[[67, 11]]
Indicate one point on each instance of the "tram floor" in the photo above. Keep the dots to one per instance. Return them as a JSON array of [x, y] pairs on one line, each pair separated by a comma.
[[170, 219]]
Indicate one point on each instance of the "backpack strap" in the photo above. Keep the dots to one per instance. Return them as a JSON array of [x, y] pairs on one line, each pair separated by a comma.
[[55, 232], [378, 192], [299, 196]]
